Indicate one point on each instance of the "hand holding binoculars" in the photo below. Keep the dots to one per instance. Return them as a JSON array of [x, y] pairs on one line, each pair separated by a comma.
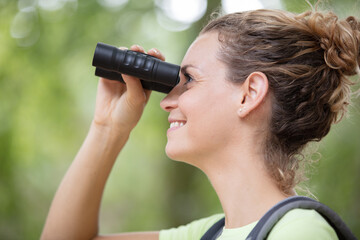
[[157, 75]]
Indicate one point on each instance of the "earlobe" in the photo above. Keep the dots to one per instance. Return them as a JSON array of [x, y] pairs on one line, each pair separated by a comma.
[[241, 109], [255, 89]]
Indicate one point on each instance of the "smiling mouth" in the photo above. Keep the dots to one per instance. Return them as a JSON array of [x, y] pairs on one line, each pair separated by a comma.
[[176, 124]]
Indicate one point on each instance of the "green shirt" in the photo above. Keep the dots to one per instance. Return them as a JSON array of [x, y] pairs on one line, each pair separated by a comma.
[[297, 224]]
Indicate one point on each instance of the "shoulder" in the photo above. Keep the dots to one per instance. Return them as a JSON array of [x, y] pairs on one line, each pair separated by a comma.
[[302, 224], [193, 230]]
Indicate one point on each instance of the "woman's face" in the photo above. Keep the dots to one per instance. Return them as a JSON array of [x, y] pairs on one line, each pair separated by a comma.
[[203, 106]]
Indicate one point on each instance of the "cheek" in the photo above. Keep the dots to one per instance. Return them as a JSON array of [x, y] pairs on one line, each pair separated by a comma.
[[210, 124], [214, 123], [209, 119]]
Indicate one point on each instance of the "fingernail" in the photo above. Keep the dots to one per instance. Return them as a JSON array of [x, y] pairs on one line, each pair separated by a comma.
[[139, 47], [155, 50]]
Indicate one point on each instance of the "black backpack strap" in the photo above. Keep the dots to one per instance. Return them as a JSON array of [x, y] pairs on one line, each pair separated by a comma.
[[268, 221], [214, 231]]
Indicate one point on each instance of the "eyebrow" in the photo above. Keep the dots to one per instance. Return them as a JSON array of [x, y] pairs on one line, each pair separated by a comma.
[[185, 67]]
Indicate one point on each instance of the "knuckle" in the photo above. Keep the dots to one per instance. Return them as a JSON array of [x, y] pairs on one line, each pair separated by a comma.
[[137, 101]]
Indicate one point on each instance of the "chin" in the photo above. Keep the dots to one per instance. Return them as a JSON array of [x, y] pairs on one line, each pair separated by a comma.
[[172, 153], [176, 153], [182, 155]]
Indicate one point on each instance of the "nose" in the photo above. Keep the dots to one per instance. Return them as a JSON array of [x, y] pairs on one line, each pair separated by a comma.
[[170, 102]]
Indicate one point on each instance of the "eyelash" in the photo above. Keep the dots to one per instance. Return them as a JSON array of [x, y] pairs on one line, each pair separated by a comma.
[[188, 77]]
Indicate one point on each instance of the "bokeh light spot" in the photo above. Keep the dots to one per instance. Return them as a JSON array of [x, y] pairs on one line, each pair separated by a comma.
[[24, 27], [230, 6], [113, 5], [178, 15], [51, 5]]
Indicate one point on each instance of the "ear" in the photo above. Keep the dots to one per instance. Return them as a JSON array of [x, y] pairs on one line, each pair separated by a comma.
[[254, 89]]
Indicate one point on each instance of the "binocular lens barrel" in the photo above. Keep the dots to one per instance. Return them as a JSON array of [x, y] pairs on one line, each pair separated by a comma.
[[111, 62]]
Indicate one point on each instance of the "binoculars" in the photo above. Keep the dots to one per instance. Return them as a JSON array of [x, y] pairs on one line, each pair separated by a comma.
[[154, 74]]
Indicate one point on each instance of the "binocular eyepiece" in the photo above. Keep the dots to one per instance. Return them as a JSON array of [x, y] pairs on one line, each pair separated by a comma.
[[157, 75]]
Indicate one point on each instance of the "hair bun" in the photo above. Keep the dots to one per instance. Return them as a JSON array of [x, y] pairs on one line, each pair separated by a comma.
[[340, 40]]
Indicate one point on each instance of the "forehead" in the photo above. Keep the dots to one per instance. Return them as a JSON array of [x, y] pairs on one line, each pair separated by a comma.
[[203, 50]]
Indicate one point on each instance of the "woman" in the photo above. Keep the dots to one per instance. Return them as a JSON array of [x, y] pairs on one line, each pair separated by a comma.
[[255, 88]]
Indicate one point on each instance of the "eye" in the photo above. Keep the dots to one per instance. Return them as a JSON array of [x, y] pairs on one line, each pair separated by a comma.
[[188, 78]]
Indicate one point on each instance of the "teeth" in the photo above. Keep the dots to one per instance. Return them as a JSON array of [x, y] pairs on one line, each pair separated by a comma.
[[176, 124]]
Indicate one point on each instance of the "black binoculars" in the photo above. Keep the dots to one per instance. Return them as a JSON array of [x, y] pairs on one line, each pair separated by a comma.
[[157, 75]]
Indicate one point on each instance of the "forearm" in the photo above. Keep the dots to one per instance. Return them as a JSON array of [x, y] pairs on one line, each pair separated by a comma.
[[75, 208]]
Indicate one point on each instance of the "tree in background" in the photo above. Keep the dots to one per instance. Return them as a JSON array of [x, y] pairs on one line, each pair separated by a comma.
[[47, 96]]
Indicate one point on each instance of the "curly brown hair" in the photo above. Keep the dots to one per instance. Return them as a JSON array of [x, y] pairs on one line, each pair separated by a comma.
[[307, 59]]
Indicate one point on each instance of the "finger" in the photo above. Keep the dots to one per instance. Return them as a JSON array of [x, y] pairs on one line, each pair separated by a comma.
[[137, 48], [111, 87], [135, 91], [156, 53], [110, 82]]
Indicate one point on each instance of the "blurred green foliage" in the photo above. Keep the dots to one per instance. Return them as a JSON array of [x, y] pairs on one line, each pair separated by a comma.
[[47, 96]]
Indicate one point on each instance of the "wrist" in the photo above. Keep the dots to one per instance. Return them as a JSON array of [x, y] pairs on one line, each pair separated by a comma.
[[108, 134]]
